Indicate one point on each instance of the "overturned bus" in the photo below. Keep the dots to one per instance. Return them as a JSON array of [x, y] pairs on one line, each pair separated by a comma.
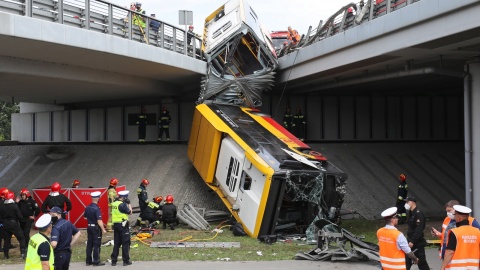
[[269, 180]]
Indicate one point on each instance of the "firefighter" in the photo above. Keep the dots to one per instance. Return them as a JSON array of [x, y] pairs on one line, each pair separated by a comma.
[[75, 183], [142, 200], [293, 36], [137, 19], [463, 244], [164, 124], [112, 195], [151, 210], [288, 119], [142, 124], [393, 246], [3, 193], [299, 124], [40, 252], [121, 208], [11, 216], [402, 193], [29, 210], [55, 198], [169, 213], [416, 226]]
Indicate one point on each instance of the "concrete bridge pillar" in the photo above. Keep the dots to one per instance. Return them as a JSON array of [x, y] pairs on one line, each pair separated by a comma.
[[474, 69]]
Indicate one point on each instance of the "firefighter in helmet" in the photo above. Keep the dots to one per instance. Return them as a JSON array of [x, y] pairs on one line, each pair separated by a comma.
[[402, 193], [142, 199], [112, 195], [164, 124], [169, 213], [150, 214], [75, 183], [55, 198], [142, 124], [29, 209]]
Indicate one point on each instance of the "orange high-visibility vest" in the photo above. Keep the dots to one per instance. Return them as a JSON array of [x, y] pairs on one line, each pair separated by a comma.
[[467, 252], [446, 221], [391, 257]]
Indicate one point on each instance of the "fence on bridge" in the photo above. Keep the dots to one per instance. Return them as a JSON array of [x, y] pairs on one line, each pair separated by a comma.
[[104, 17]]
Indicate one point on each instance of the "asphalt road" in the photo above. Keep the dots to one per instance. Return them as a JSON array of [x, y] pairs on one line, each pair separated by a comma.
[[432, 258]]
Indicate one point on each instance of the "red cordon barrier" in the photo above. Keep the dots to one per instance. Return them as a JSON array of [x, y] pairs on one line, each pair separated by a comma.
[[80, 198]]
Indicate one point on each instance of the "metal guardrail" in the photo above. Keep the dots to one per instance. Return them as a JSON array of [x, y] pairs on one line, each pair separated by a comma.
[[107, 18]]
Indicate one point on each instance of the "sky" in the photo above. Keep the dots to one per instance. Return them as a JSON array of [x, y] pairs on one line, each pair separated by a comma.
[[275, 15]]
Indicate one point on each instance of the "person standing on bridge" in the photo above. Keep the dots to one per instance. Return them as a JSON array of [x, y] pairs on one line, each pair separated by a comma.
[[142, 124], [154, 24], [137, 19], [299, 124], [402, 193], [393, 246], [288, 119], [293, 36], [415, 237], [164, 124]]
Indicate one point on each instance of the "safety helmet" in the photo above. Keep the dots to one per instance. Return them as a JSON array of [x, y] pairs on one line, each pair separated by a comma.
[[138, 4], [169, 199], [25, 191], [10, 195], [145, 182], [3, 192], [158, 199], [56, 187], [76, 182], [113, 182], [190, 27], [402, 177]]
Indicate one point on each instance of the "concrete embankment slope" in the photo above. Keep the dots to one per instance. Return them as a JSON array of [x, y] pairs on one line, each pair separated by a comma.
[[435, 171]]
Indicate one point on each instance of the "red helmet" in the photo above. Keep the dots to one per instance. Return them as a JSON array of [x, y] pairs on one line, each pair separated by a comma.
[[402, 177], [3, 192], [190, 27], [25, 191], [56, 187], [10, 195], [145, 182], [76, 182], [169, 198], [113, 182], [158, 199]]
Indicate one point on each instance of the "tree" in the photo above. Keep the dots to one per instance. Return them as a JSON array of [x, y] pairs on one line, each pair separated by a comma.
[[6, 110]]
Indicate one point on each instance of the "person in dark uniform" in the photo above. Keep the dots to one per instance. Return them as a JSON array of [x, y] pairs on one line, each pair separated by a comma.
[[121, 208], [402, 193], [11, 216], [75, 183], [299, 124], [150, 213], [288, 119], [55, 198], [3, 193], [64, 235], [95, 230], [164, 124], [416, 240], [142, 124], [169, 213], [40, 252], [29, 209], [142, 200]]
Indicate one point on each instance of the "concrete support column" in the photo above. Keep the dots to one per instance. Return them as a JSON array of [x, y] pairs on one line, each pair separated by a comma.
[[474, 70]]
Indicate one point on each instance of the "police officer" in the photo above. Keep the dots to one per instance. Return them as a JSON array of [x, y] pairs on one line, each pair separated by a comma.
[[64, 235], [95, 230], [402, 193], [416, 226], [299, 124], [55, 198], [29, 209], [11, 216], [463, 244], [75, 183], [393, 246], [150, 213], [142, 199], [142, 124], [121, 208], [112, 196], [40, 252], [164, 124], [288, 119], [169, 213]]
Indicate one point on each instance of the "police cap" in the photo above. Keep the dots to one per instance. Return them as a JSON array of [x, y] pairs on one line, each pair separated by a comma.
[[43, 221], [56, 209], [95, 194], [411, 199], [123, 193], [463, 210], [390, 212]]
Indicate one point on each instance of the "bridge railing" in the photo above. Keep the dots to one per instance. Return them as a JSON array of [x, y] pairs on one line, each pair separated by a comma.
[[110, 19]]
